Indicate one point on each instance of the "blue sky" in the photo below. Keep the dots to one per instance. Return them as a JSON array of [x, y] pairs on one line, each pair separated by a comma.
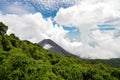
[[74, 33], [35, 7]]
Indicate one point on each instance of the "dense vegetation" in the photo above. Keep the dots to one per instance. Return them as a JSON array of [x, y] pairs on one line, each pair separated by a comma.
[[23, 60], [114, 62], [3, 28]]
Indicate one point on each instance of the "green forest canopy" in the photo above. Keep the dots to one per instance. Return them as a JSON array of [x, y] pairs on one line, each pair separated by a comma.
[[3, 28]]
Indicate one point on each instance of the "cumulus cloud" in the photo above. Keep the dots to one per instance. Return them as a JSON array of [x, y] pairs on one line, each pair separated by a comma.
[[86, 16], [32, 26]]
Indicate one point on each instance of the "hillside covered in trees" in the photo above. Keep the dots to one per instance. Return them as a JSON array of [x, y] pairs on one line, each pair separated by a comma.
[[23, 60]]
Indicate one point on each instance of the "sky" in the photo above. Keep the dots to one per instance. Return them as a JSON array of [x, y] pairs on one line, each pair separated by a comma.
[[86, 28]]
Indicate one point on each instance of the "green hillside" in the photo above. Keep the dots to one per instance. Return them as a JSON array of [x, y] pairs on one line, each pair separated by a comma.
[[115, 62], [23, 60]]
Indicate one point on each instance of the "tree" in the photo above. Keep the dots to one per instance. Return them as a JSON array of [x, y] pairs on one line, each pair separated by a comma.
[[6, 43], [3, 28]]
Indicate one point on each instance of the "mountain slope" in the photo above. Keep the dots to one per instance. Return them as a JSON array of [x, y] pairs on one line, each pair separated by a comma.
[[115, 62], [23, 60], [54, 47]]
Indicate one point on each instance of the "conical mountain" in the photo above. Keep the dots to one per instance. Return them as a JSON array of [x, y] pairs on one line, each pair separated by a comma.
[[54, 47]]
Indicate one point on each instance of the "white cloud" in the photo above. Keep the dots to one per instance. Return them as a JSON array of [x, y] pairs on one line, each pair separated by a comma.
[[47, 46], [86, 16], [106, 45], [31, 26]]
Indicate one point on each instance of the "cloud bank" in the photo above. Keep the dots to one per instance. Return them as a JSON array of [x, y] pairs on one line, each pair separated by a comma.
[[85, 15], [32, 26]]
